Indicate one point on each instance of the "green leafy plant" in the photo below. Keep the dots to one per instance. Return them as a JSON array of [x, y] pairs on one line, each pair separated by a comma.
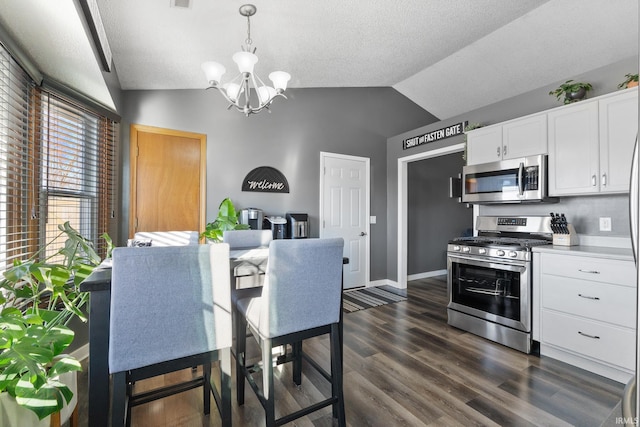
[[38, 298], [227, 220], [571, 91], [628, 82]]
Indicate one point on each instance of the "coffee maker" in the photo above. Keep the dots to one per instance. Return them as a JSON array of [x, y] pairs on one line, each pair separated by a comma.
[[253, 217], [297, 225], [277, 225]]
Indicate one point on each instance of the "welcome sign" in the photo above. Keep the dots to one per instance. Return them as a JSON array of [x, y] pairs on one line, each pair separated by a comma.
[[265, 179], [435, 135]]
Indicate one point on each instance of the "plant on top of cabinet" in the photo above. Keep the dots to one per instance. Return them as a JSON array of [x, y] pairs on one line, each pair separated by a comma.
[[631, 81], [572, 91], [467, 128]]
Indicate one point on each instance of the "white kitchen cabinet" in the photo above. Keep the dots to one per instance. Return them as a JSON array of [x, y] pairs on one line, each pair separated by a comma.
[[591, 143], [573, 149], [618, 119], [587, 312], [522, 137], [484, 145]]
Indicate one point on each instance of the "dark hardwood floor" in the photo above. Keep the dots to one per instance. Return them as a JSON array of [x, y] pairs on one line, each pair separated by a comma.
[[404, 366]]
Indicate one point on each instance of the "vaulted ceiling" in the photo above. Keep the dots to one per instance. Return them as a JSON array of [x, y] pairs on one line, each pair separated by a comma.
[[448, 56]]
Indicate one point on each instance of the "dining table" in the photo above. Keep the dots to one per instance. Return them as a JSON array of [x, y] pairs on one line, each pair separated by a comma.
[[247, 268]]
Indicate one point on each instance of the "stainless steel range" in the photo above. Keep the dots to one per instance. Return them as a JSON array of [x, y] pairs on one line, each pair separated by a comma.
[[489, 278]]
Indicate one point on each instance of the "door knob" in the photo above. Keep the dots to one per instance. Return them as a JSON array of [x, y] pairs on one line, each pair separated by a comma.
[[362, 233]]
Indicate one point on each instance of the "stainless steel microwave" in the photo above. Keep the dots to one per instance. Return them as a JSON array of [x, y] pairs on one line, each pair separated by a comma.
[[507, 181]]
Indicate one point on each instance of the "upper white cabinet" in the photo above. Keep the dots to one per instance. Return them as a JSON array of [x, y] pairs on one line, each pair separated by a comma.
[[526, 136], [573, 149], [618, 129], [484, 145], [591, 143]]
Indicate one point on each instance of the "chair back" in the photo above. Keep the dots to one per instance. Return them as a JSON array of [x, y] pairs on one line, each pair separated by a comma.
[[247, 238], [302, 287], [167, 303], [168, 238]]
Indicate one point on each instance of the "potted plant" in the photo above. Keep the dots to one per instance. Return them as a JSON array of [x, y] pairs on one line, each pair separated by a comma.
[[38, 298], [572, 91], [631, 81], [227, 220]]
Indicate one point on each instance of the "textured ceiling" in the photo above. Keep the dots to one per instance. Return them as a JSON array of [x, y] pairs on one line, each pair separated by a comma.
[[448, 56]]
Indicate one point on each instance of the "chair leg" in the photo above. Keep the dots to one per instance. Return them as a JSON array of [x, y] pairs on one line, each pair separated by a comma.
[[336, 375], [241, 345], [206, 387], [296, 349], [225, 386], [119, 400], [267, 384]]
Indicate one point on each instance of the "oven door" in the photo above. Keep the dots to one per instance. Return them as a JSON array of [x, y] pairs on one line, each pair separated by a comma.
[[497, 291]]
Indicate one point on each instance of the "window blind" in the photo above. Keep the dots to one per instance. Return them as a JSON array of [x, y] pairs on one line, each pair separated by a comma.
[[57, 164]]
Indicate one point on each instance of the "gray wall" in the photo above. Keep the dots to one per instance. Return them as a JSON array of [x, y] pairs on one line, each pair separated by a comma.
[[604, 80], [432, 217], [353, 121]]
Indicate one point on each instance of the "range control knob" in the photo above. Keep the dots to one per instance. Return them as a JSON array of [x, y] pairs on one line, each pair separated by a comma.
[[456, 248], [513, 254], [500, 252], [465, 249], [482, 251]]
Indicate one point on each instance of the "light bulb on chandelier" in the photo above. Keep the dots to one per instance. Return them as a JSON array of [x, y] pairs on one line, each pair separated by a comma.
[[238, 91]]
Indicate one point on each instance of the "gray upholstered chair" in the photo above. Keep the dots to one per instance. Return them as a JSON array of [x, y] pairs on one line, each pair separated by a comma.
[[169, 238], [301, 298], [170, 310]]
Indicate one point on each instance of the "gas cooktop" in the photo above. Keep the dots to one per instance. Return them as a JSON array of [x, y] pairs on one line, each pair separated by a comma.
[[501, 241]]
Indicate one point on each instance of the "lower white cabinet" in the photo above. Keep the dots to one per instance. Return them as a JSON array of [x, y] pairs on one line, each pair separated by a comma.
[[587, 312]]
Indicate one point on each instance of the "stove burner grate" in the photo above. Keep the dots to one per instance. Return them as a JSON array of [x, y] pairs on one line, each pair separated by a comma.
[[501, 241]]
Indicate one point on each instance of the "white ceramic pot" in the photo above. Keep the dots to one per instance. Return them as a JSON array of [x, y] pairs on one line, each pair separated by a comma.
[[14, 415]]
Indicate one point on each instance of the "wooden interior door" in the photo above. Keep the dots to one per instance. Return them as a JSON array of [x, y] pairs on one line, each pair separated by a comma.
[[168, 179]]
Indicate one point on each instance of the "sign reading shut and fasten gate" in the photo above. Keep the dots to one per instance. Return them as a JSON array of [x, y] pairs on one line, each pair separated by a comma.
[[434, 135], [265, 179]]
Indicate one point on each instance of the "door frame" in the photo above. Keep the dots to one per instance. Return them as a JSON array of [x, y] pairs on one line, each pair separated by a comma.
[[402, 241], [133, 172], [367, 168]]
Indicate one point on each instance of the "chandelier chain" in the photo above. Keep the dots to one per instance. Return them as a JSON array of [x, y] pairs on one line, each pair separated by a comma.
[[248, 41]]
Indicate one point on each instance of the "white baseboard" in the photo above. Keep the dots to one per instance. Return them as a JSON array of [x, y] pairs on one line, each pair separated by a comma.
[[382, 282], [426, 274], [81, 353]]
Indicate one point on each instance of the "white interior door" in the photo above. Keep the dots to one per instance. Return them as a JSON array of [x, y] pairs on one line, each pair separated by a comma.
[[344, 211]]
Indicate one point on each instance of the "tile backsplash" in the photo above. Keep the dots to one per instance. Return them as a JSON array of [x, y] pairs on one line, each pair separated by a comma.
[[583, 212]]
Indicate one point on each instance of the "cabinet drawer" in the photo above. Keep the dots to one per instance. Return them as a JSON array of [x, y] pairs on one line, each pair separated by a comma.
[[611, 344], [598, 301], [587, 268]]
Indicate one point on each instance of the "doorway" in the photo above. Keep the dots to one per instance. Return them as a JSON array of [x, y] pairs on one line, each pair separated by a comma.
[[168, 180], [403, 185], [433, 217], [344, 211]]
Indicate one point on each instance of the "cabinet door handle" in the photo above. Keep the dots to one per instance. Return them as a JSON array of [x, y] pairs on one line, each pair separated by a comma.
[[498, 151], [588, 297], [588, 271], [504, 150], [593, 180], [604, 179], [595, 337]]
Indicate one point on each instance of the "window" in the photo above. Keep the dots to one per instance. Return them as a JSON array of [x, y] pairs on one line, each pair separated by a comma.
[[56, 165]]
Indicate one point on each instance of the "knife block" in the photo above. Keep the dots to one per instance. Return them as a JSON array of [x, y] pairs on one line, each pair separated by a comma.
[[566, 239]]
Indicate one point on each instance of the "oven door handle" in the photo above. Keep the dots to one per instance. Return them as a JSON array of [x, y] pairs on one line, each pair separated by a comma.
[[521, 179]]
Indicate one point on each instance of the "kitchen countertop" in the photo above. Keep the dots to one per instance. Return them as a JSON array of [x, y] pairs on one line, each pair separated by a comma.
[[624, 254]]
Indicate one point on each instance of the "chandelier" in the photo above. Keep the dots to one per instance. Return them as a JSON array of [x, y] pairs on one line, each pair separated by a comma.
[[238, 91]]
